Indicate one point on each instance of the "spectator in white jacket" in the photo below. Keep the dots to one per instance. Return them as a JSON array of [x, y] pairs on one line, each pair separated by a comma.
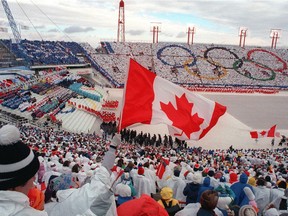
[[19, 165]]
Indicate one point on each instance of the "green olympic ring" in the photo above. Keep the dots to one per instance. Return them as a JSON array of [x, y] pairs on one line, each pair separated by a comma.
[[272, 77]]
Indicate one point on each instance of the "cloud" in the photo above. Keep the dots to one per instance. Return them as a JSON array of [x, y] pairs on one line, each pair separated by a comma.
[[181, 35], [53, 30], [77, 29], [135, 32], [215, 20], [40, 27]]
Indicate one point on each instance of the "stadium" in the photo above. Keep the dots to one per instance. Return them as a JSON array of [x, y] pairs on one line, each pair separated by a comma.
[[250, 81], [63, 101]]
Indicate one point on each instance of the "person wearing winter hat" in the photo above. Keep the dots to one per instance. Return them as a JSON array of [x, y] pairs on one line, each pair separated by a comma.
[[191, 189], [94, 198], [240, 196], [168, 202], [233, 177], [125, 189], [247, 210], [141, 183], [140, 170], [252, 181], [205, 186], [177, 184], [18, 166]]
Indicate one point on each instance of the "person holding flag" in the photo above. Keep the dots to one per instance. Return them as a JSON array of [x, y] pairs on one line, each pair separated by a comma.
[[150, 99]]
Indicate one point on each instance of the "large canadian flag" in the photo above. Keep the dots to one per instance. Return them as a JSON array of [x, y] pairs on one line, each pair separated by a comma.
[[150, 99], [264, 133]]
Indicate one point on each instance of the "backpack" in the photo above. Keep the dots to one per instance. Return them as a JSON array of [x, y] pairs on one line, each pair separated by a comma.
[[172, 210]]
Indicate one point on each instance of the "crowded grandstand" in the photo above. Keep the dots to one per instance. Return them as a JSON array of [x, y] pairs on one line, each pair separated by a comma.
[[60, 108]]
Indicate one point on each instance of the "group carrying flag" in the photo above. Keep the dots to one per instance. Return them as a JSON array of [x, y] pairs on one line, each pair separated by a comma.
[[150, 99], [263, 133]]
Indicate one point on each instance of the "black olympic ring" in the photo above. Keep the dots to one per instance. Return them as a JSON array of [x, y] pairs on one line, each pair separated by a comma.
[[211, 61], [159, 53]]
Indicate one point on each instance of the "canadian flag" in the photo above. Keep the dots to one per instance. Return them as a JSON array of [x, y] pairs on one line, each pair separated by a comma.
[[161, 168], [262, 134], [150, 99]]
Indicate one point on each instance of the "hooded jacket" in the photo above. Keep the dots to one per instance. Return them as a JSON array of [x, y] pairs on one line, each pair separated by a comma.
[[240, 196], [205, 186], [191, 191]]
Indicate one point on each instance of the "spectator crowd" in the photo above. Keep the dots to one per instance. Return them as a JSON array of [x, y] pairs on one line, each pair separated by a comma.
[[120, 175]]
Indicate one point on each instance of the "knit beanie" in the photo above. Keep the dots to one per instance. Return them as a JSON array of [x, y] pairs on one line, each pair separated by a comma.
[[233, 177], [141, 170], [18, 163]]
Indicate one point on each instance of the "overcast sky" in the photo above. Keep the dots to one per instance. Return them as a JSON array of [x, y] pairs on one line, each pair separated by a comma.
[[215, 21]]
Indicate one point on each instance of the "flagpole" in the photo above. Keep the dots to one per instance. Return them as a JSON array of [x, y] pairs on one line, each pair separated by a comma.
[[123, 98]]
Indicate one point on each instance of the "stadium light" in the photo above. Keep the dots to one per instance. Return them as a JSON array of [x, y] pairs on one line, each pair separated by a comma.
[[190, 33], [242, 35], [155, 28], [275, 35]]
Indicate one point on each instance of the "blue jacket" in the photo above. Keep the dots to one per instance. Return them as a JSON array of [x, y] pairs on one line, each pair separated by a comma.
[[205, 186], [240, 196], [191, 192]]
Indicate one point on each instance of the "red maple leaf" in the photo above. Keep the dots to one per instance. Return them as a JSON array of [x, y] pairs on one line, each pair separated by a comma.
[[181, 115], [263, 133]]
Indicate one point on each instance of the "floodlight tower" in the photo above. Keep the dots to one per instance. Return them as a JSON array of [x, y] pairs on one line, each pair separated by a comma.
[[242, 35], [155, 28], [121, 23], [191, 31], [275, 35], [12, 22]]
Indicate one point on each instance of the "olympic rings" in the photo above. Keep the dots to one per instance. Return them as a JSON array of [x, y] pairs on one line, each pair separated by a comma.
[[284, 67], [216, 77], [160, 51], [249, 75], [222, 66], [211, 61]]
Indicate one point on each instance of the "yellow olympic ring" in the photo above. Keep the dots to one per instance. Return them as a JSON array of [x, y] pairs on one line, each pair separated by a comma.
[[186, 67]]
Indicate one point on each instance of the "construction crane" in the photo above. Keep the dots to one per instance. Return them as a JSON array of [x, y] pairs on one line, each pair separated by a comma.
[[12, 22]]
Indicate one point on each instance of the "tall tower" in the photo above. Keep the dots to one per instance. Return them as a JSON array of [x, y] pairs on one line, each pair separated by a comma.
[[275, 35], [121, 23], [12, 22], [242, 35], [191, 31]]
